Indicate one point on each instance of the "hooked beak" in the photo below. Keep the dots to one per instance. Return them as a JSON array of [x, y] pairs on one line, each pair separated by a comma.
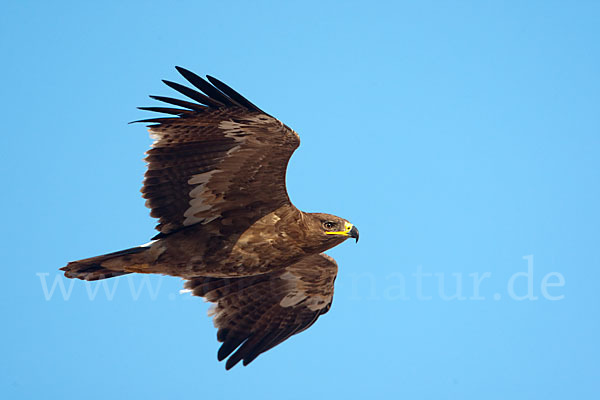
[[354, 233], [349, 231]]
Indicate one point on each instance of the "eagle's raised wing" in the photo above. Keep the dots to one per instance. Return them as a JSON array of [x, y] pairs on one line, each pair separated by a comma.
[[254, 314], [217, 157]]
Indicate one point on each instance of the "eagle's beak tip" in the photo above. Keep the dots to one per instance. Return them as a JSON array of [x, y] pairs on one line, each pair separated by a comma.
[[354, 233]]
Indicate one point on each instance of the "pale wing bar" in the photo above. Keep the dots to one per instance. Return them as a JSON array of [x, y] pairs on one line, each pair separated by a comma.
[[218, 154], [251, 313]]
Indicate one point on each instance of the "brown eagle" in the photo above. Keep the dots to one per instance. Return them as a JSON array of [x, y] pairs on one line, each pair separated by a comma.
[[216, 183]]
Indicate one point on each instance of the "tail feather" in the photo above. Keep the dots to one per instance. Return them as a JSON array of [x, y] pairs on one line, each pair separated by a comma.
[[92, 269]]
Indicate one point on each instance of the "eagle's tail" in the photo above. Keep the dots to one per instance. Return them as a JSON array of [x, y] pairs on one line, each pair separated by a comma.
[[104, 266]]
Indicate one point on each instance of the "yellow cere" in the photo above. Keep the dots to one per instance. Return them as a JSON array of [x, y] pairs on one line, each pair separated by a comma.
[[347, 228]]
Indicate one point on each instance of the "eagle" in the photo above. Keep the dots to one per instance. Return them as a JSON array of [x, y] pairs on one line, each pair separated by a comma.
[[215, 181]]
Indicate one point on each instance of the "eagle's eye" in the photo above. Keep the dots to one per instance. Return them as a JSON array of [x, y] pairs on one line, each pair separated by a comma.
[[328, 224]]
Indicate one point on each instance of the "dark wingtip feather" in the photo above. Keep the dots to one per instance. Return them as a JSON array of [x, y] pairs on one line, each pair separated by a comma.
[[180, 103], [213, 93], [227, 348], [167, 110], [238, 98], [205, 87], [229, 365], [153, 120], [232, 361], [193, 94]]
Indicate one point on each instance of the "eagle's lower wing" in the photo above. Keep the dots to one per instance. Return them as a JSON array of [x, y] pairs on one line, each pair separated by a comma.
[[254, 314], [217, 157]]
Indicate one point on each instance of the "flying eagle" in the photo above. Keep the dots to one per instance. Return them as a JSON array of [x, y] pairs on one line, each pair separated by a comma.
[[216, 183]]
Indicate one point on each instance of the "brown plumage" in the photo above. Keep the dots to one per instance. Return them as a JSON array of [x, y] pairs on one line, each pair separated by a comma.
[[262, 311], [216, 183]]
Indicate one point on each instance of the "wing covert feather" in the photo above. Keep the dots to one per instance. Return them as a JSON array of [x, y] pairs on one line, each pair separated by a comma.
[[254, 314], [218, 154]]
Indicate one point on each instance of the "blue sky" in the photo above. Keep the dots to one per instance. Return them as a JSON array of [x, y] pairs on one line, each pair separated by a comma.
[[473, 132]]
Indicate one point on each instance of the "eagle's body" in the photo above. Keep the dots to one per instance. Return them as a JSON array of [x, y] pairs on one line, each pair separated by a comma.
[[216, 181], [274, 241]]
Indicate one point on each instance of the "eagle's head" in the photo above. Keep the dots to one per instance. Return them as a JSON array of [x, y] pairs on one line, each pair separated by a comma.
[[330, 230]]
